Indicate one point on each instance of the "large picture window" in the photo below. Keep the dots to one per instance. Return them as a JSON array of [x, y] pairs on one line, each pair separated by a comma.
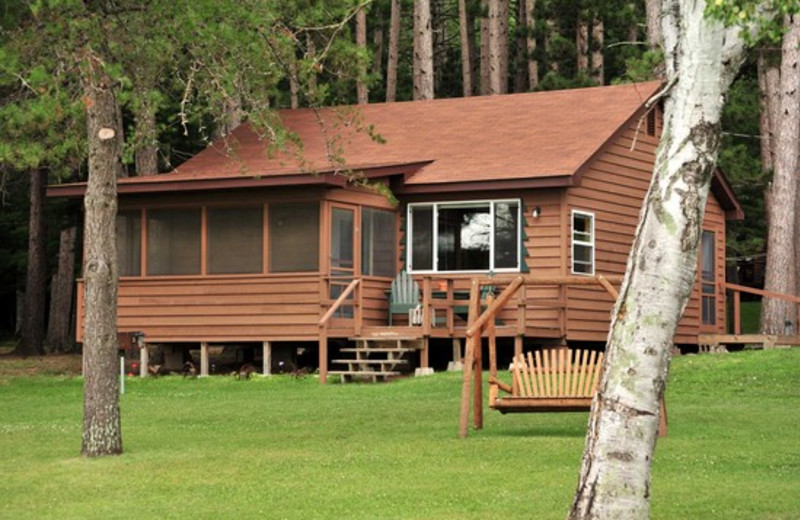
[[582, 242], [173, 241], [378, 242], [464, 236], [294, 237], [129, 243], [235, 240]]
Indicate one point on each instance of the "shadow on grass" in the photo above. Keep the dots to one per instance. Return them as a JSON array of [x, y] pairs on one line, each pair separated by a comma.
[[539, 431]]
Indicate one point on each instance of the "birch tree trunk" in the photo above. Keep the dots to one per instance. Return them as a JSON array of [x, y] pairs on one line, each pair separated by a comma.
[[101, 418], [60, 319], [394, 51], [362, 94], [779, 316], [423, 50], [466, 62], [702, 59], [533, 65], [32, 339]]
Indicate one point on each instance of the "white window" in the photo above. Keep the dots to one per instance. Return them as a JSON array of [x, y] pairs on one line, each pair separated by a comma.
[[464, 236], [582, 242]]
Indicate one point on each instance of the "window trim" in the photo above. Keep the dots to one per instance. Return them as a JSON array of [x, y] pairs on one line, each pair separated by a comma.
[[573, 241], [462, 203]]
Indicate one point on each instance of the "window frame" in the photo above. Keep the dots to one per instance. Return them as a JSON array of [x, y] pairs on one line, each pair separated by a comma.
[[573, 242], [435, 223]]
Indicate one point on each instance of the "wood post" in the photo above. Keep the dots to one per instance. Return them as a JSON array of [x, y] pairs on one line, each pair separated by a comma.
[[144, 359], [323, 358], [204, 359], [267, 357], [469, 361], [457, 350], [662, 418], [424, 356], [737, 312]]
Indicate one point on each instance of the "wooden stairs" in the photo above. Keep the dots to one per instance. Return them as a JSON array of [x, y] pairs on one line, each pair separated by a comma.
[[718, 342], [384, 355]]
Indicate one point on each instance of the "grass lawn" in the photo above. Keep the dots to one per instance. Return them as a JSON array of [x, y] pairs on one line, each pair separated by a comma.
[[287, 448]]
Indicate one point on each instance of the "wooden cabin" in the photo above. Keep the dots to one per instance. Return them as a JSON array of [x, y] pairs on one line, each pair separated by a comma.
[[247, 244]]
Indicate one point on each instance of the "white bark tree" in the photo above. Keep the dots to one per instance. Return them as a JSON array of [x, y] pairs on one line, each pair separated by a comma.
[[702, 58]]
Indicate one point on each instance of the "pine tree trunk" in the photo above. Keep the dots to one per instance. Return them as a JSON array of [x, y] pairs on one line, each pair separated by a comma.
[[498, 46], [377, 50], [101, 418], [520, 44], [582, 44], [146, 155], [779, 316], [485, 53], [394, 51], [702, 59], [474, 58], [598, 67], [294, 85], [32, 340], [423, 50], [533, 65], [552, 31], [764, 120], [362, 94], [653, 14], [466, 64], [59, 326]]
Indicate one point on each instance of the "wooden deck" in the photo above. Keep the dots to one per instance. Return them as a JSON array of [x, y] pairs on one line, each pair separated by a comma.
[[713, 342]]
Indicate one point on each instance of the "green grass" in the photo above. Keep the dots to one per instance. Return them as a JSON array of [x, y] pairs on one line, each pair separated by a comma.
[[751, 315], [286, 448]]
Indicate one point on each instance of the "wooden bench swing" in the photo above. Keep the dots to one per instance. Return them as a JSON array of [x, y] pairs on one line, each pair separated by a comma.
[[549, 380]]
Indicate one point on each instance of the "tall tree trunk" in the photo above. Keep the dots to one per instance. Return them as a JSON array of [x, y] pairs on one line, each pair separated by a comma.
[[362, 94], [394, 51], [31, 342], [423, 50], [146, 154], [474, 58], [598, 67], [60, 319], [765, 103], [102, 433], [377, 49], [582, 44], [779, 316], [466, 63], [485, 53], [653, 14], [533, 65], [702, 59], [294, 85], [552, 31], [498, 46], [520, 46]]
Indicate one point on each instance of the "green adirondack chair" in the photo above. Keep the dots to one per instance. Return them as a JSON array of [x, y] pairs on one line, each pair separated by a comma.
[[404, 297]]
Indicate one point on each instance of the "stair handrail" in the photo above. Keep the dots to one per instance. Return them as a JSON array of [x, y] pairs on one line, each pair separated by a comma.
[[339, 301]]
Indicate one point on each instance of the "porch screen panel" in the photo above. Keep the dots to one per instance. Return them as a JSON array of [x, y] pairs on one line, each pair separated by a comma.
[[708, 275], [464, 238], [378, 242], [506, 235], [294, 237], [235, 240], [173, 241], [129, 243], [422, 237]]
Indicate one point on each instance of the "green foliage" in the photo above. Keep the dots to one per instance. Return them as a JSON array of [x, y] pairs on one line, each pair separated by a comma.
[[288, 448], [767, 17]]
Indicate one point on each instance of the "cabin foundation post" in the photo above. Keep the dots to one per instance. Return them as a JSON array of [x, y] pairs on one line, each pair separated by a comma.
[[267, 356], [424, 355], [517, 345], [457, 350], [323, 359], [144, 359], [204, 359]]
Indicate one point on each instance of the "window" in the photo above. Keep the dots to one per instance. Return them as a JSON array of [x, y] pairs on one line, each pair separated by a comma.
[[378, 242], [173, 241], [582, 243], [235, 240], [129, 243], [294, 237], [464, 236], [708, 278]]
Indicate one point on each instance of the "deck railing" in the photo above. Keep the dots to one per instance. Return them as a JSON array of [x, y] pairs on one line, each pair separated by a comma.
[[737, 291]]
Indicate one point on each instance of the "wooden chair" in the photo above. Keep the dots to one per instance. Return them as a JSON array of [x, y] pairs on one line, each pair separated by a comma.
[[404, 298], [555, 380]]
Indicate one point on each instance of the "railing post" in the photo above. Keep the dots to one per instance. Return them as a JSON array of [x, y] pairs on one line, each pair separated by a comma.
[[359, 303], [737, 312], [426, 306], [469, 361]]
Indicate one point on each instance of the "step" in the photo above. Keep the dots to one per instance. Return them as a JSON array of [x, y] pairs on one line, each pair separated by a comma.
[[372, 361], [371, 373], [396, 350]]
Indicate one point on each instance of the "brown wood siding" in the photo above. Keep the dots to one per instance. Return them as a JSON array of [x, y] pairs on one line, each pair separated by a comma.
[[612, 188]]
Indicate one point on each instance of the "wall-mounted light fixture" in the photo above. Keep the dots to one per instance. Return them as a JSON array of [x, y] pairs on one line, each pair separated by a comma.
[[536, 212]]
